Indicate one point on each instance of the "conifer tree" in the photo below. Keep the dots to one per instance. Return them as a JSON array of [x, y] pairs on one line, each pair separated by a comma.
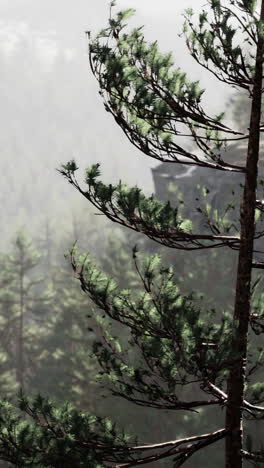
[[156, 106], [178, 344], [21, 305], [65, 370]]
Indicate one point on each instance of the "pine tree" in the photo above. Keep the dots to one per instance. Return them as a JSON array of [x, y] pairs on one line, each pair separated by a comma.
[[21, 306], [65, 370], [155, 106]]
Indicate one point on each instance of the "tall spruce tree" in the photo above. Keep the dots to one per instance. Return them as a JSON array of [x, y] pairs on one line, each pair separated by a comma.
[[177, 343]]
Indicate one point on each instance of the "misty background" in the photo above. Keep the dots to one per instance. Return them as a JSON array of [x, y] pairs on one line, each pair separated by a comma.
[[51, 111]]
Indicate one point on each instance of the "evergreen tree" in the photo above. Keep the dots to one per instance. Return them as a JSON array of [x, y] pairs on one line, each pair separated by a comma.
[[22, 306], [154, 105], [46, 244], [178, 344], [65, 369]]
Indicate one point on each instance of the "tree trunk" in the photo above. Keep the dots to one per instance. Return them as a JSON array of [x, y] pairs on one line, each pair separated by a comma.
[[20, 343], [236, 380]]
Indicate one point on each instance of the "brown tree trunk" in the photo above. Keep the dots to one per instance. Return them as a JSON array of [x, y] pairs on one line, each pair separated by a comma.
[[236, 381]]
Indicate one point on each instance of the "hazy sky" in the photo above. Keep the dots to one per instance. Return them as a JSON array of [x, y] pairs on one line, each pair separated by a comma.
[[55, 23], [47, 32]]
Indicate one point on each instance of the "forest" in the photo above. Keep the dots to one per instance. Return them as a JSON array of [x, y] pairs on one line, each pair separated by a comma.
[[132, 322]]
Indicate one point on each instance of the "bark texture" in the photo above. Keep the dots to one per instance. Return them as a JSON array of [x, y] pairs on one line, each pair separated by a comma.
[[236, 381]]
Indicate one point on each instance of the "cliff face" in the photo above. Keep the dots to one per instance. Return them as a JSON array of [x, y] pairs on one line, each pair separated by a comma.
[[211, 272], [176, 182]]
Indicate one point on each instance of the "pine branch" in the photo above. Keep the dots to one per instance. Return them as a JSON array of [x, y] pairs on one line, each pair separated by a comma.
[[151, 105], [223, 397], [178, 405], [258, 265], [131, 209], [73, 439], [254, 456], [182, 453], [212, 45]]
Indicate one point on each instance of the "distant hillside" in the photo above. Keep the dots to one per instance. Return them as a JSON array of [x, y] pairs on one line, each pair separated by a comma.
[[51, 112]]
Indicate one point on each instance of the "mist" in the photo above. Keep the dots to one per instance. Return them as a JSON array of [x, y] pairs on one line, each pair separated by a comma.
[[51, 111]]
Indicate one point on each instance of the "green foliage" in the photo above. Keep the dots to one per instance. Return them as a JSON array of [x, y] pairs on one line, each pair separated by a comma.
[[45, 322], [70, 166], [117, 261], [171, 333], [64, 369], [21, 309], [171, 342], [258, 391], [248, 6], [216, 45], [57, 437], [125, 14], [149, 98], [130, 207]]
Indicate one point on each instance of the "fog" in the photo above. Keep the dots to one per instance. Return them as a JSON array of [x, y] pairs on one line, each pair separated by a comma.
[[50, 112], [50, 109]]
